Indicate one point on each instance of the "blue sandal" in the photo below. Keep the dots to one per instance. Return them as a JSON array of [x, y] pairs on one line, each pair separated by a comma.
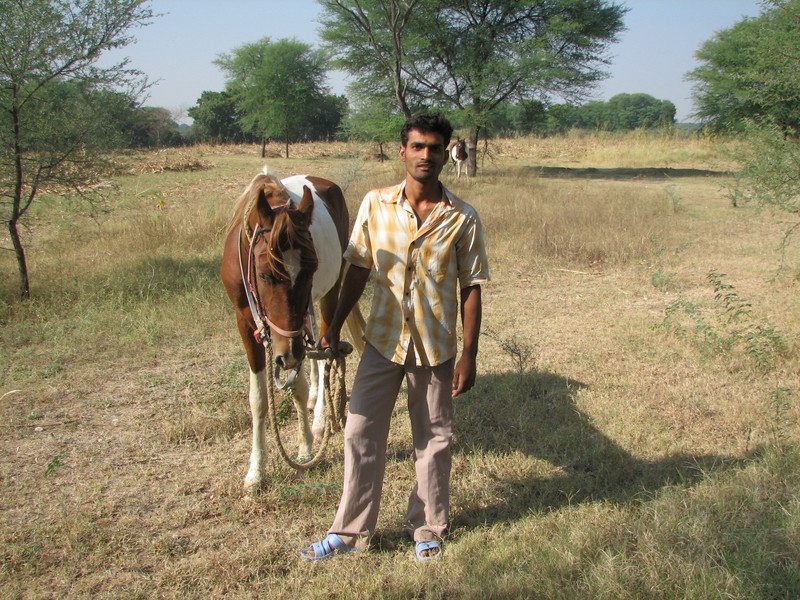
[[331, 545], [433, 549]]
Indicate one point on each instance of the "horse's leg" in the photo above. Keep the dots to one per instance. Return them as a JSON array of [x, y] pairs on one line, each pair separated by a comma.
[[304, 436], [313, 384], [327, 306], [256, 359], [258, 413], [317, 376]]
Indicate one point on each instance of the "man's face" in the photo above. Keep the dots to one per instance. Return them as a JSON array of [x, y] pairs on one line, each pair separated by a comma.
[[424, 155]]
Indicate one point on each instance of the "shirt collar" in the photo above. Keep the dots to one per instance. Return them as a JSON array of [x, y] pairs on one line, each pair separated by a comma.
[[398, 194]]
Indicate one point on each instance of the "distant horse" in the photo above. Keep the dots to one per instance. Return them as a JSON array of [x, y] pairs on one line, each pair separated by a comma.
[[282, 254], [460, 154]]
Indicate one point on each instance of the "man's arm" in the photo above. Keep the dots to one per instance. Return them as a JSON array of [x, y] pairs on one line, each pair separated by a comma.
[[466, 367], [355, 280]]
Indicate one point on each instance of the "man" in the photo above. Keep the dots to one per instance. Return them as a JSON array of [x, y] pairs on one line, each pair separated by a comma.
[[424, 244]]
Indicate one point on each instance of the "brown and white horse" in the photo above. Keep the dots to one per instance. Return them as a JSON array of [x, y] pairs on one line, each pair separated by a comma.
[[459, 153], [283, 254]]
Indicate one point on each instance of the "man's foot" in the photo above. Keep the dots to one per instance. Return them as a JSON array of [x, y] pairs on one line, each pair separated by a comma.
[[327, 548], [428, 551]]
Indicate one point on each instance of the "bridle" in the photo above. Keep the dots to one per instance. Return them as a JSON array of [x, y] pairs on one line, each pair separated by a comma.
[[262, 322]]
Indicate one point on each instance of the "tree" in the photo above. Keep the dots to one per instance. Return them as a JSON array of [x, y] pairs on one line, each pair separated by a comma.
[[153, 127], [639, 111], [326, 118], [473, 55], [277, 87], [770, 87], [750, 71], [376, 120], [529, 116], [362, 31], [216, 119], [49, 80]]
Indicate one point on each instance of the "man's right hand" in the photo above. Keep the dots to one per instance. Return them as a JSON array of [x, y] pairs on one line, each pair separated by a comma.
[[330, 340]]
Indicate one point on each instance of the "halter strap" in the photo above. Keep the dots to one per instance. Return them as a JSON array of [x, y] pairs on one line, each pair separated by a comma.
[[260, 317]]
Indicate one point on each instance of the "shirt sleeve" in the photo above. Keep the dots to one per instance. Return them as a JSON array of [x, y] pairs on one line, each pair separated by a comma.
[[359, 248], [473, 262]]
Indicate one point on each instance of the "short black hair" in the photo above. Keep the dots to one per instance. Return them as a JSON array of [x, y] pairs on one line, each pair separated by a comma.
[[427, 122]]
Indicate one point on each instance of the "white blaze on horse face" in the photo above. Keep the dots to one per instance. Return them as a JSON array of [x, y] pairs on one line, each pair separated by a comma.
[[291, 261]]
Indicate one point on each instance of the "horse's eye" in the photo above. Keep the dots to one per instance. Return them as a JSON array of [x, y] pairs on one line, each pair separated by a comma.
[[268, 277]]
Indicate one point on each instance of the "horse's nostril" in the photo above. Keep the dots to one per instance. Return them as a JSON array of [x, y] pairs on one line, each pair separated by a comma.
[[280, 362]]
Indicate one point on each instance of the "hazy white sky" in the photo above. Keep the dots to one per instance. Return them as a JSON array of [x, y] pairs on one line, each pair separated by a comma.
[[652, 56]]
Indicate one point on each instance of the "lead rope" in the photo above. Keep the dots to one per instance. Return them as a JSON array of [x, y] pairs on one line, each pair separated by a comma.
[[335, 402]]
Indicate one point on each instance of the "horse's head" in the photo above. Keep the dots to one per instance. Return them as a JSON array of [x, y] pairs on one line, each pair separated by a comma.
[[283, 264]]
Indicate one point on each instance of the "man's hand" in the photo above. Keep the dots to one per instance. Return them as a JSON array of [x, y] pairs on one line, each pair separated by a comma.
[[330, 340], [466, 367], [463, 375]]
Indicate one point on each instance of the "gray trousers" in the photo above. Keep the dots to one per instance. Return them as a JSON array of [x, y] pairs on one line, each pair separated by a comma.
[[430, 406]]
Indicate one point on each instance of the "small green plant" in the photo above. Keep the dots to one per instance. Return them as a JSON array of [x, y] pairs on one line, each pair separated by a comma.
[[735, 326], [521, 353], [660, 279], [54, 465], [781, 401], [676, 198]]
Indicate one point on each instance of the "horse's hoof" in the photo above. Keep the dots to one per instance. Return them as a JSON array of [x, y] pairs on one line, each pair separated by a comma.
[[252, 486], [304, 458]]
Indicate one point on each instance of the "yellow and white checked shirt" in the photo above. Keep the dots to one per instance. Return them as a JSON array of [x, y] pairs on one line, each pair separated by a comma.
[[419, 271]]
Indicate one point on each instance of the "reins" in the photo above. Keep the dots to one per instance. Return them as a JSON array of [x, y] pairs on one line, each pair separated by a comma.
[[334, 393], [335, 402]]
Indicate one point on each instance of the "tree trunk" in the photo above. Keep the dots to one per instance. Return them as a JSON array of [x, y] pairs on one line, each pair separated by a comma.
[[22, 263], [18, 209], [472, 145], [400, 95], [263, 148], [287, 149]]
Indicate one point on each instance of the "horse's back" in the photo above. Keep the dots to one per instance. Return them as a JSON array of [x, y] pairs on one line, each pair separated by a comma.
[[329, 227]]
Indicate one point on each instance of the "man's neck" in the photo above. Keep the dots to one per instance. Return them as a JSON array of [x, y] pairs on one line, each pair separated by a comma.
[[423, 198], [423, 193]]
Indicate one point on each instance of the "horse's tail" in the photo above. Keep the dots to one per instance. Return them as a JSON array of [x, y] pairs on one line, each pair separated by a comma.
[[356, 325]]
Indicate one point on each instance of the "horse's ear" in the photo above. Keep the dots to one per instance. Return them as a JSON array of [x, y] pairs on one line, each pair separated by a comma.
[[262, 206], [307, 203]]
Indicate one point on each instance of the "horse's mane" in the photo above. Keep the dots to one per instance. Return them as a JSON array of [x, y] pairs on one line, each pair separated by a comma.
[[264, 182], [286, 232]]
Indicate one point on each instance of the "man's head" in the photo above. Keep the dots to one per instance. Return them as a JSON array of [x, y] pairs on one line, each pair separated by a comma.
[[427, 123]]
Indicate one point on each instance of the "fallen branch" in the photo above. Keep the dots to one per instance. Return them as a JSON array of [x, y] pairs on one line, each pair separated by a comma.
[[56, 424]]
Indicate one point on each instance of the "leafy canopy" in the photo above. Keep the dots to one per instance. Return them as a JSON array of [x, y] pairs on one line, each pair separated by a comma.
[[471, 56], [277, 86], [50, 91], [752, 71]]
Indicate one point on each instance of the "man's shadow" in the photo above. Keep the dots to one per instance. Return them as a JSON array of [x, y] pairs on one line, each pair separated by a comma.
[[535, 413]]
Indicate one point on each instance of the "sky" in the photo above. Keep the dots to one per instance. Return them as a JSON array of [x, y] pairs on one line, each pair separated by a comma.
[[177, 50]]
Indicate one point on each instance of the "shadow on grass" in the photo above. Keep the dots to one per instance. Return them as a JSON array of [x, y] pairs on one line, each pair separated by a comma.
[[164, 276], [620, 173], [536, 414]]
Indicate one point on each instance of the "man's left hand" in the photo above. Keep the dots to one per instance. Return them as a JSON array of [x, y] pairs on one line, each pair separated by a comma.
[[463, 375]]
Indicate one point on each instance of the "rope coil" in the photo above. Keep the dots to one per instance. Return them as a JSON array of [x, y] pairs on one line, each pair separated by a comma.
[[335, 401]]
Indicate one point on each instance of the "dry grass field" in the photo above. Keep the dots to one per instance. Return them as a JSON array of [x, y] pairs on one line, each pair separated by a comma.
[[633, 433]]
